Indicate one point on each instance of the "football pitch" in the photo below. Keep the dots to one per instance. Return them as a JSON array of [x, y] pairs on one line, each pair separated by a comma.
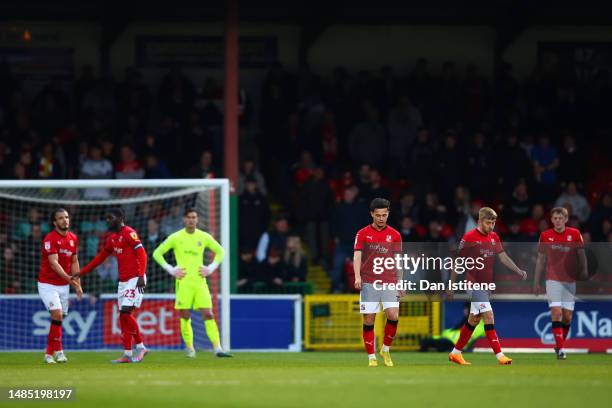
[[309, 379]]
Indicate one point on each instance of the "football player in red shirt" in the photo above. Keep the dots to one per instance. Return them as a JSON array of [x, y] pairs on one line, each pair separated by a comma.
[[125, 245], [377, 240], [482, 242], [561, 252], [59, 258]]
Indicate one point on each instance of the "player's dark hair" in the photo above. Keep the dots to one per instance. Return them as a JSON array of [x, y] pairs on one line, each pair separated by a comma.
[[190, 210], [117, 212], [54, 214], [380, 203]]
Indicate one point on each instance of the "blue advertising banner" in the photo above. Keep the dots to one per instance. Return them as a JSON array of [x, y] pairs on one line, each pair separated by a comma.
[[527, 324], [264, 323]]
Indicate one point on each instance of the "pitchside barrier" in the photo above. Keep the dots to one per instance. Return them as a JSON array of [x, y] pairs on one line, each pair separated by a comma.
[[523, 324], [259, 323], [333, 322]]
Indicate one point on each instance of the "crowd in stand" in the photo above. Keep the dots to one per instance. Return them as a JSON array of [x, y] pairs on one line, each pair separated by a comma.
[[438, 142]]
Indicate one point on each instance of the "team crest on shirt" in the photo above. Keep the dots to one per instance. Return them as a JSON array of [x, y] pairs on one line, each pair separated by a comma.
[[47, 245], [71, 243], [389, 239], [492, 241], [199, 243], [134, 235], [569, 237]]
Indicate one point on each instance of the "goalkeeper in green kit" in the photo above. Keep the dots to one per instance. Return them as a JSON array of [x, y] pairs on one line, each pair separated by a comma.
[[192, 291]]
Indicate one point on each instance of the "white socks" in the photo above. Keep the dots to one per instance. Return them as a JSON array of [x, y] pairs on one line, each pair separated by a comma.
[[372, 356], [127, 353], [499, 355], [385, 348], [455, 351], [140, 346]]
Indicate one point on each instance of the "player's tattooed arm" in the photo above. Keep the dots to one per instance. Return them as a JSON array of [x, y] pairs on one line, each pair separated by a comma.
[[540, 265], [509, 263]]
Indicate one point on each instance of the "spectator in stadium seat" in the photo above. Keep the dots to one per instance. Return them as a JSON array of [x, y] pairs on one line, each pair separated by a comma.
[[512, 164], [205, 167], [520, 203], [376, 188], [514, 233], [579, 204], [314, 209], [601, 212], [173, 221], [249, 170], [349, 216], [406, 229], [295, 260], [9, 270], [530, 226], [23, 226], [545, 159], [28, 259], [571, 161], [253, 212], [27, 161], [273, 270], [367, 138], [407, 207], [449, 166], [247, 270], [19, 172], [479, 158], [433, 210], [422, 159], [402, 125], [155, 168], [128, 166], [95, 166], [276, 238], [4, 159]]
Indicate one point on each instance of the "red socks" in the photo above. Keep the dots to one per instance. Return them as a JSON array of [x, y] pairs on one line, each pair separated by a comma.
[[54, 339], [390, 330], [135, 330], [566, 329], [559, 334], [129, 329], [126, 332], [368, 338], [492, 337], [464, 336]]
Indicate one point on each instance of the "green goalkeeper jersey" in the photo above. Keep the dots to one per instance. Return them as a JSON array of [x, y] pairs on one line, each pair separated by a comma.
[[189, 252]]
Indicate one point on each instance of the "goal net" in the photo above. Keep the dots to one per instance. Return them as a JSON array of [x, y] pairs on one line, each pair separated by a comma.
[[154, 208]]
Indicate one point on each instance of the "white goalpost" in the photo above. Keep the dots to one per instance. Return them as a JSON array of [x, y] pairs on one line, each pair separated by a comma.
[[154, 208]]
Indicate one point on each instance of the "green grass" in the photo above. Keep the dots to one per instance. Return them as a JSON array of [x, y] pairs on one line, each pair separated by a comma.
[[168, 379]]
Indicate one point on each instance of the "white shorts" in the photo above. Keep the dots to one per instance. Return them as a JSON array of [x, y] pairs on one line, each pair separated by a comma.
[[55, 297], [128, 294], [561, 294], [370, 299], [479, 301]]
